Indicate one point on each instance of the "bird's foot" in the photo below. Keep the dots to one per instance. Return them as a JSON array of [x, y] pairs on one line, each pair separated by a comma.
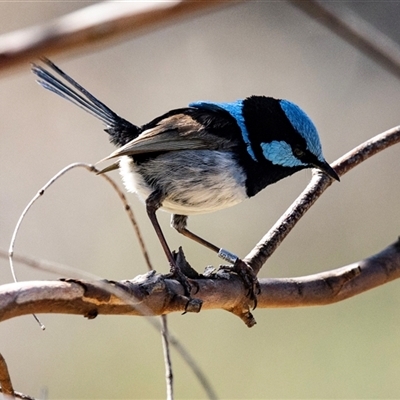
[[182, 271], [178, 275], [249, 278]]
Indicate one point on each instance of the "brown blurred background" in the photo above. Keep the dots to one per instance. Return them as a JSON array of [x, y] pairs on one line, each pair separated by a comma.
[[347, 350]]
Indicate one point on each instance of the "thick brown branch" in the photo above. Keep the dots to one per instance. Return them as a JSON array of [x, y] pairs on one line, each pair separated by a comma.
[[157, 295]]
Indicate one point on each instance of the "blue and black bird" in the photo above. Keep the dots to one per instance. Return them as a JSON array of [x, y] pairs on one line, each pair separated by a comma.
[[204, 157]]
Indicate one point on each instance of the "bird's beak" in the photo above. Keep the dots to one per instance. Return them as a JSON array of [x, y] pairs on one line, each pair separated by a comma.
[[325, 167]]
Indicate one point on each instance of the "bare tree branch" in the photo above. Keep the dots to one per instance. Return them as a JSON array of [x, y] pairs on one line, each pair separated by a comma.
[[162, 296], [94, 25]]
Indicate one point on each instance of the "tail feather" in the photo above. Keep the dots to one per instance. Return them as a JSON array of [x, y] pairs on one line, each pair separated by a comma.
[[120, 130]]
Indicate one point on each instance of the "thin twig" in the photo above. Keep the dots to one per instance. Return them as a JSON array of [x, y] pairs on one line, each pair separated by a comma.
[[25, 211], [33, 201], [169, 376], [61, 173], [205, 383], [319, 183], [366, 150]]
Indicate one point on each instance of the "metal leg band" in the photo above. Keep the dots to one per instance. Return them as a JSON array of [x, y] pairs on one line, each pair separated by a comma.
[[227, 256]]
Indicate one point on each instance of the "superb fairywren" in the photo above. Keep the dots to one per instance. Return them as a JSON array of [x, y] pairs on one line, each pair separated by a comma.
[[204, 157]]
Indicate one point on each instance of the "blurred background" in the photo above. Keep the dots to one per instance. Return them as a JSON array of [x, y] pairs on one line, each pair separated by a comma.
[[346, 350]]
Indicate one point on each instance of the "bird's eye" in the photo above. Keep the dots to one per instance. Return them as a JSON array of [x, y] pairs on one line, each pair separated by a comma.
[[298, 152]]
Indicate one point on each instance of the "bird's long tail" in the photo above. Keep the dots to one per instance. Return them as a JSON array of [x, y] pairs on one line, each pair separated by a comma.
[[120, 130]]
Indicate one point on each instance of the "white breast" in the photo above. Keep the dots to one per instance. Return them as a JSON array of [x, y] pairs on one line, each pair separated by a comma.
[[194, 181]]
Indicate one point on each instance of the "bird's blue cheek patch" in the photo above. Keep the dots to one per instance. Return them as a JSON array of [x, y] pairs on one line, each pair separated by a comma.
[[280, 153]]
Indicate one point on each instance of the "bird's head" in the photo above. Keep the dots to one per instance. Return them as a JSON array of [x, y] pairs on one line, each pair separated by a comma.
[[282, 133]]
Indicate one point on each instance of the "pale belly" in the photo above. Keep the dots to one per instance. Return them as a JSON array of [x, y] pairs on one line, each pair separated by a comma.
[[194, 182]]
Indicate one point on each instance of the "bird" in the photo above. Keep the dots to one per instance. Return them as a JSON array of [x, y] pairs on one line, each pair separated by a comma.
[[201, 158]]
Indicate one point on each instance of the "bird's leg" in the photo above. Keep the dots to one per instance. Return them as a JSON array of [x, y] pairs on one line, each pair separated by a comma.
[[153, 203], [179, 222], [244, 271]]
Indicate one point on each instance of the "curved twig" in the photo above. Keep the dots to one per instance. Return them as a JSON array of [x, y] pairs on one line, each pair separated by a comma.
[[39, 194]]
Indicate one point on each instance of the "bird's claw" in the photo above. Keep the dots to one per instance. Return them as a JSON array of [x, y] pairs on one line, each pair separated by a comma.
[[182, 271], [177, 274], [249, 278]]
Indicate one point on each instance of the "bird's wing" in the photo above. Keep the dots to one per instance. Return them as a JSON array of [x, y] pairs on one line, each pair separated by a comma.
[[175, 132]]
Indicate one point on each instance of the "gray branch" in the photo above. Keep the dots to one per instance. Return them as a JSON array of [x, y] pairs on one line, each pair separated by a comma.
[[153, 294]]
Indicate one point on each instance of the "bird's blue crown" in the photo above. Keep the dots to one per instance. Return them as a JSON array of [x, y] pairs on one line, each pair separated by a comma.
[[303, 124]]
